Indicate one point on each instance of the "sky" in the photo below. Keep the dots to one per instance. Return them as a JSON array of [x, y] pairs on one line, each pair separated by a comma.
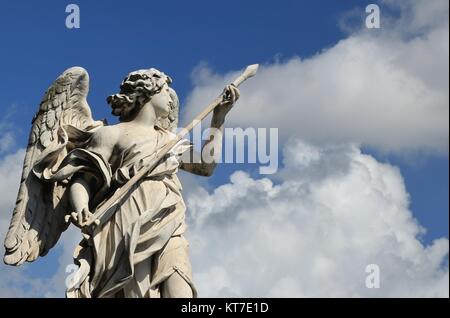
[[362, 118]]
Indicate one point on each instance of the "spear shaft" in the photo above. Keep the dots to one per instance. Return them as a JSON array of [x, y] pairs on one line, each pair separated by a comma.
[[107, 209]]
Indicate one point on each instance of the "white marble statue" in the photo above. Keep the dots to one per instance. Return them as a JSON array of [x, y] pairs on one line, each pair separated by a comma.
[[74, 164]]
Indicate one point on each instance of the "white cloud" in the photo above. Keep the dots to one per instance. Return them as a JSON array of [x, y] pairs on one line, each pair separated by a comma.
[[68, 241], [6, 142], [384, 88], [314, 233], [418, 15], [313, 228], [10, 170]]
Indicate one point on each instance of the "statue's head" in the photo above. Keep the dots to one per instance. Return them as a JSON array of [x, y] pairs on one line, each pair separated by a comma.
[[142, 86]]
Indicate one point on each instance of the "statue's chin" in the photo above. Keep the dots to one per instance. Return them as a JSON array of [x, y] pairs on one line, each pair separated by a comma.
[[163, 115]]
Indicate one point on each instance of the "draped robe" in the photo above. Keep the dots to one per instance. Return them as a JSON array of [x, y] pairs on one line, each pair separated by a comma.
[[143, 243]]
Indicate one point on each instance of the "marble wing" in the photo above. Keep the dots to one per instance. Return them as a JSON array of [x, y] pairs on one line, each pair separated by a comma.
[[38, 217]]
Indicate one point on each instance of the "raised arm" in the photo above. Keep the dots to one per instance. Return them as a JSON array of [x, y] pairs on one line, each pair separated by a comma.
[[204, 164]]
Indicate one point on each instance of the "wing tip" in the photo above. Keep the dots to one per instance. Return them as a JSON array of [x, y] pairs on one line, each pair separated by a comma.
[[75, 70], [10, 242], [12, 259]]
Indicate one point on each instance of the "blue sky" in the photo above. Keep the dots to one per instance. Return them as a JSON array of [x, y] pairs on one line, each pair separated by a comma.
[[176, 36]]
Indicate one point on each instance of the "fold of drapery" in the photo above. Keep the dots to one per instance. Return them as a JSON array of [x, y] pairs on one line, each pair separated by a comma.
[[125, 257]]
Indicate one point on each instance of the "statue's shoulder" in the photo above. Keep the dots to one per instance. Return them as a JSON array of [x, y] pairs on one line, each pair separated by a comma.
[[105, 136]]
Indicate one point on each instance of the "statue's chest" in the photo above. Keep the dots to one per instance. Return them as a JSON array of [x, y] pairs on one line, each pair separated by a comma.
[[127, 141], [132, 147]]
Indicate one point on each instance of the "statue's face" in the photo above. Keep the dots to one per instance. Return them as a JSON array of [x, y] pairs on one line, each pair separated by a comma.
[[161, 102]]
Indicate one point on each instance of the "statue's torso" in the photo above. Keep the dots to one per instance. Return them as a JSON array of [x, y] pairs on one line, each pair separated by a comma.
[[115, 140], [129, 134]]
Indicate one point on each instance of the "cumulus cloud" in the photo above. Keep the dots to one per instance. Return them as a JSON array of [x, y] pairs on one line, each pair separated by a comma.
[[333, 211], [313, 228], [384, 88]]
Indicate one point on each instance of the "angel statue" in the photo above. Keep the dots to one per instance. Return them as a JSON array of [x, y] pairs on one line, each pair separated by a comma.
[[74, 165]]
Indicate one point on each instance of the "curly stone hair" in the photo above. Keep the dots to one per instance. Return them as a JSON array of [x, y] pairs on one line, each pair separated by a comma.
[[137, 89]]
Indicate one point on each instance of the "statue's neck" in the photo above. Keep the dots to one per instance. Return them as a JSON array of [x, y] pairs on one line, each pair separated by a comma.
[[146, 116]]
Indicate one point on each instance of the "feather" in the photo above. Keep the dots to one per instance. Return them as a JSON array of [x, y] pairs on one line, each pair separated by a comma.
[[38, 217]]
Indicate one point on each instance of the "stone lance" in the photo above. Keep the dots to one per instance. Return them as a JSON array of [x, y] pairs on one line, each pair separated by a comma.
[[104, 212]]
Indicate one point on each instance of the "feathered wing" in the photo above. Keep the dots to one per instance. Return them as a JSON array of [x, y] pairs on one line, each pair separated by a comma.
[[38, 217]]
